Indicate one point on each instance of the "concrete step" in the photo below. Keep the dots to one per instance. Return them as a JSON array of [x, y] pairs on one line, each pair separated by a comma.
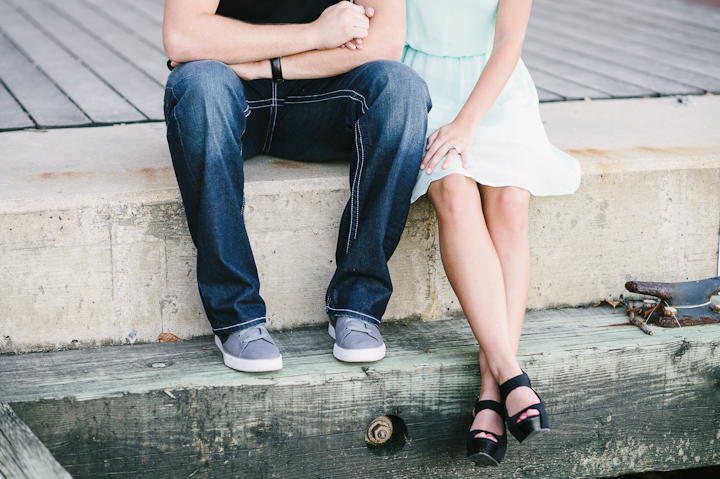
[[619, 401], [94, 248]]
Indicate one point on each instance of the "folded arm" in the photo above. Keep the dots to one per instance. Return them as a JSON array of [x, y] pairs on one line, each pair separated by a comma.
[[192, 31], [385, 40]]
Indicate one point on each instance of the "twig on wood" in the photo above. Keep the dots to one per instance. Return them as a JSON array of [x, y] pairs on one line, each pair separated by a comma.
[[636, 321]]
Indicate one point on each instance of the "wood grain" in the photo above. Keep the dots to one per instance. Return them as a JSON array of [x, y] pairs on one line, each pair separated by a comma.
[[130, 83], [11, 113], [90, 93], [22, 455], [47, 105], [620, 401]]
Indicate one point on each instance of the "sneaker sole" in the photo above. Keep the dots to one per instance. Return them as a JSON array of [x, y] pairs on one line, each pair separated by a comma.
[[249, 365], [356, 355]]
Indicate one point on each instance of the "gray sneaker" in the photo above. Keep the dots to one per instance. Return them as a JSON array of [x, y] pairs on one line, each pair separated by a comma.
[[250, 350], [356, 341]]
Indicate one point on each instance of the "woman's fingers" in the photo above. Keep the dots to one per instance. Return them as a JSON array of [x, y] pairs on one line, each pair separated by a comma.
[[451, 154]]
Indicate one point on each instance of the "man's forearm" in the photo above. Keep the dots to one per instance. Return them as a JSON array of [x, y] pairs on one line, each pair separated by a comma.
[[385, 41], [192, 31]]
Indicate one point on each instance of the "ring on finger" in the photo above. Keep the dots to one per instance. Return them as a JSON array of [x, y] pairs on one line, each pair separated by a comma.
[[454, 148]]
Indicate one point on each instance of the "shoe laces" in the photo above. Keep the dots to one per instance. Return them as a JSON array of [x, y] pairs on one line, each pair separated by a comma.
[[254, 334], [359, 327]]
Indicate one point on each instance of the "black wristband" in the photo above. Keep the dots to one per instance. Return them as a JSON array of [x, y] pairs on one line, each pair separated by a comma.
[[276, 70], [170, 67]]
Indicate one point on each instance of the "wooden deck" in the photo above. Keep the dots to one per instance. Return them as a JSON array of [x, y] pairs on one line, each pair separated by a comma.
[[90, 62], [620, 401]]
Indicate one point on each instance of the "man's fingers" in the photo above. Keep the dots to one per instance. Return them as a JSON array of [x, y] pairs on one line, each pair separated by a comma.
[[369, 12]]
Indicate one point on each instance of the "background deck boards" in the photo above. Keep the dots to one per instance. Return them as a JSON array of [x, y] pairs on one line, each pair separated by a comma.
[[47, 105], [574, 49], [557, 85], [132, 20], [90, 93], [542, 31], [649, 82], [655, 25], [137, 88], [13, 116], [146, 57], [597, 33]]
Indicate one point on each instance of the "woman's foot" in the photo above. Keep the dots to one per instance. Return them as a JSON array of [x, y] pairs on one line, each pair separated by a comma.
[[487, 441], [519, 399], [524, 420], [490, 421]]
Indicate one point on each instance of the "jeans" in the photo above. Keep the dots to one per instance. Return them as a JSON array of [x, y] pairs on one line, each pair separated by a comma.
[[376, 113]]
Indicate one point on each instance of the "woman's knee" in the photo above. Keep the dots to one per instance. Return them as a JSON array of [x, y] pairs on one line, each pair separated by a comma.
[[507, 208], [454, 195]]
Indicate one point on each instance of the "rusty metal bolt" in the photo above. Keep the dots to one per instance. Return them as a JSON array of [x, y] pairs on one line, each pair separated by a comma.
[[379, 431]]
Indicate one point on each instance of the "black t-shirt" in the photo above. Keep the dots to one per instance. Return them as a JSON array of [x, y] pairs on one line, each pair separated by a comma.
[[274, 11]]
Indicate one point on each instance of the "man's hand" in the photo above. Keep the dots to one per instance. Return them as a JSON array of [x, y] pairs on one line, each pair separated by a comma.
[[341, 24], [356, 43]]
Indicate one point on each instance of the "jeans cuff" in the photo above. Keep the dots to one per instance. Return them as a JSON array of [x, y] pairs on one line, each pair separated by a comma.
[[337, 312], [240, 326]]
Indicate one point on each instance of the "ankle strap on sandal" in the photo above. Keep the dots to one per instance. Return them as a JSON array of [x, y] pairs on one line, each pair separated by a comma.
[[513, 383], [489, 404]]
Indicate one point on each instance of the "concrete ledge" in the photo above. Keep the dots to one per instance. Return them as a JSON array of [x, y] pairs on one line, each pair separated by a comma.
[[94, 247], [620, 401]]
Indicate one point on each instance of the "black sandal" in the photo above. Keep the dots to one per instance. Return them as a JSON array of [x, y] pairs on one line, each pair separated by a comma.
[[531, 426], [483, 451]]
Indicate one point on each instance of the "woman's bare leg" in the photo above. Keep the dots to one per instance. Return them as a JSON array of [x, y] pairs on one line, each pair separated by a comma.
[[474, 270]]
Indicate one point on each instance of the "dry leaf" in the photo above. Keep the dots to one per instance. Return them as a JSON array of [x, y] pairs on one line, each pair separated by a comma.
[[614, 304], [168, 338]]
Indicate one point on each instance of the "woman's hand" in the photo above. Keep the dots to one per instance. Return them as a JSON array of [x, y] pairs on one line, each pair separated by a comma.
[[253, 70], [356, 43], [448, 142]]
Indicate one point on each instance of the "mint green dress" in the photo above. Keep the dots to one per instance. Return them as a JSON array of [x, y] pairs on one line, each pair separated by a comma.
[[448, 44]]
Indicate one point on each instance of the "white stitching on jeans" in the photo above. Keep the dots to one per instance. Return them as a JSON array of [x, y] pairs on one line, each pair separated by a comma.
[[330, 97], [240, 324], [275, 112], [357, 193], [352, 189]]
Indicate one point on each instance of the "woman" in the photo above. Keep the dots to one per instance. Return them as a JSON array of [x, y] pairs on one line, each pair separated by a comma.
[[487, 152]]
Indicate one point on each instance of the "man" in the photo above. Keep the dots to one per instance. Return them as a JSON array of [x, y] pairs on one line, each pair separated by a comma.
[[307, 80]]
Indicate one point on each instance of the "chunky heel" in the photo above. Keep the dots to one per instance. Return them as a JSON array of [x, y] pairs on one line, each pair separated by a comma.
[[483, 451], [532, 426]]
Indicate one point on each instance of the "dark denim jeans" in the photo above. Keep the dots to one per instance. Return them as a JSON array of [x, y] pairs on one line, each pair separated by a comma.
[[377, 114]]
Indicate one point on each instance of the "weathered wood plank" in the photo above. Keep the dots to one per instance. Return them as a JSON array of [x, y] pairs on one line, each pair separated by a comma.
[[91, 94], [544, 95], [12, 116], [131, 20], [562, 87], [544, 46], [543, 30], [152, 10], [620, 401], [38, 95], [147, 58], [649, 37], [583, 76], [623, 39], [22, 455], [141, 91], [696, 15], [652, 24]]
